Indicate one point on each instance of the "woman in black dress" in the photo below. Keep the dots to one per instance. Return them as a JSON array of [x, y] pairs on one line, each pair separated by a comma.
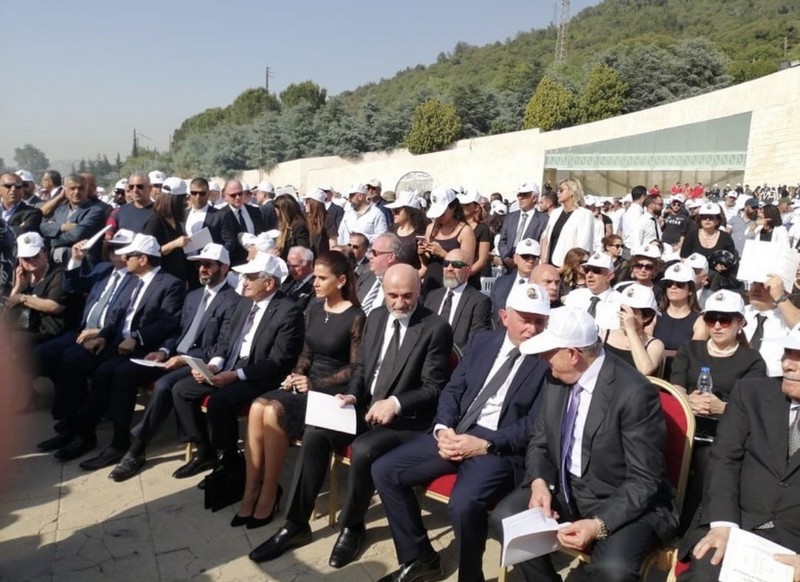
[[473, 212], [708, 237], [333, 337], [166, 225]]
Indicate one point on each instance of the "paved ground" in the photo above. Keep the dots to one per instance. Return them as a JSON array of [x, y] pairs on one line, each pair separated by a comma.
[[60, 523]]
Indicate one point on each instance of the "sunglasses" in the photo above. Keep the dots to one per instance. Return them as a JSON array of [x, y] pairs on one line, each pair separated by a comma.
[[132, 256], [375, 253], [454, 264], [713, 318], [707, 217], [678, 284], [524, 194], [396, 210], [644, 266], [132, 187], [206, 264], [119, 191], [15, 185], [593, 270], [529, 257], [198, 192], [615, 246], [235, 194]]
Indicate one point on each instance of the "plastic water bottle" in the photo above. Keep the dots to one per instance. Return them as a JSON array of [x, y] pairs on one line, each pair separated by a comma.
[[704, 381]]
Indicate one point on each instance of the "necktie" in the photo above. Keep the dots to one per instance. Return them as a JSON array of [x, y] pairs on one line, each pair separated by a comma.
[[794, 434], [655, 225], [387, 365], [489, 389], [191, 335], [523, 220], [568, 438], [447, 306], [233, 357], [94, 318], [593, 301], [242, 223], [758, 334], [370, 301], [134, 296]]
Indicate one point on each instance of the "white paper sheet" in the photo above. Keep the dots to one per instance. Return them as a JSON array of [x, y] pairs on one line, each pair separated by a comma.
[[606, 315], [760, 258], [199, 239], [323, 410], [200, 367], [147, 363], [528, 535], [748, 558], [91, 242]]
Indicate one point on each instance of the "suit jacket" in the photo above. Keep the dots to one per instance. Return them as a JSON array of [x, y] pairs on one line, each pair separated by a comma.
[[228, 219], [750, 480], [88, 219], [157, 317], [500, 290], [420, 371], [277, 343], [474, 312], [537, 223], [361, 270], [301, 295], [364, 283], [78, 282], [254, 214], [622, 454], [213, 325], [520, 407], [25, 219], [223, 229]]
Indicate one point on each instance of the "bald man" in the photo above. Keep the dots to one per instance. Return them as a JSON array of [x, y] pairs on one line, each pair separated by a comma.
[[401, 368], [546, 275]]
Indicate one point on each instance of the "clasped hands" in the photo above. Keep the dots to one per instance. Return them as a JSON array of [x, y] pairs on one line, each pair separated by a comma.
[[459, 447]]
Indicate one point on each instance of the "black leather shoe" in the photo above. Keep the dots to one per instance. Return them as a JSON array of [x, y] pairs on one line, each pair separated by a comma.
[[108, 456], [128, 467], [347, 546], [417, 571], [57, 442], [77, 447], [284, 539], [195, 466]]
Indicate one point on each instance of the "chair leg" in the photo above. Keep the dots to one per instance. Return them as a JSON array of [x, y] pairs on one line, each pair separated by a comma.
[[333, 495], [502, 572], [187, 455]]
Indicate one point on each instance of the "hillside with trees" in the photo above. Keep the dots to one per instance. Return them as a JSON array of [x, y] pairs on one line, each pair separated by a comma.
[[623, 56]]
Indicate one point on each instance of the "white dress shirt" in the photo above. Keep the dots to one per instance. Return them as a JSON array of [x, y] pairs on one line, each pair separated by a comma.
[[588, 381], [248, 222], [630, 222], [195, 219], [371, 223], [774, 327]]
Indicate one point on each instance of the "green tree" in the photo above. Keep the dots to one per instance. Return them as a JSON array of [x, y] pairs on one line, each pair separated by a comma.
[[603, 96], [307, 91], [476, 108], [551, 107], [250, 104], [434, 126], [31, 158]]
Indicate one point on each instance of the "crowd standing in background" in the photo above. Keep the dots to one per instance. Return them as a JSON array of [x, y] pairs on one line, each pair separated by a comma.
[[507, 344]]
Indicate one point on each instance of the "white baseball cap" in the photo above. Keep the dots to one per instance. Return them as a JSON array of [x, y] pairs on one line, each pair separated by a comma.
[[679, 272], [692, 203], [374, 183], [29, 244], [25, 175], [440, 200], [264, 263], [157, 177], [263, 241], [529, 298], [725, 301], [122, 237], [529, 186], [601, 261], [121, 184], [141, 243], [709, 209], [404, 199], [469, 197], [316, 194], [589, 200], [212, 252], [639, 297], [649, 251], [697, 261], [357, 189], [528, 246], [214, 186], [498, 207], [174, 186], [266, 187], [792, 340], [567, 328]]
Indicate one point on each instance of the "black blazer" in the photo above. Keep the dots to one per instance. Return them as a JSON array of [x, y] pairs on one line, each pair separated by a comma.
[[223, 229], [622, 453], [25, 219], [520, 407], [508, 232], [254, 214], [78, 282], [750, 479], [301, 295], [268, 212], [421, 368], [474, 312], [500, 290], [213, 325], [278, 340]]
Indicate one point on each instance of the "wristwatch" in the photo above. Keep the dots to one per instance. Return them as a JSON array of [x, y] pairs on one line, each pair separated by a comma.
[[603, 529], [782, 298], [491, 448]]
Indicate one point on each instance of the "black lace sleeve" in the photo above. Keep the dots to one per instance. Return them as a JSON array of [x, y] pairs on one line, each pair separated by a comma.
[[342, 376]]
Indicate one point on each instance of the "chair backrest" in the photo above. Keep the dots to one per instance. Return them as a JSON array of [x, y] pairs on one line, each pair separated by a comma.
[[680, 435], [666, 364], [487, 284], [455, 357]]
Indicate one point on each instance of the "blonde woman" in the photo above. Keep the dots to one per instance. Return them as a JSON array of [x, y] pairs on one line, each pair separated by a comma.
[[570, 225]]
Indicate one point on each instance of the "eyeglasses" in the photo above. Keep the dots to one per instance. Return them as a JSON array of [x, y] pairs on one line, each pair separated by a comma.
[[592, 269], [10, 186], [454, 264], [644, 266], [707, 217], [524, 194], [615, 246], [132, 187], [198, 192], [206, 264], [678, 284], [529, 257], [132, 256], [724, 319], [235, 194], [375, 253], [119, 191]]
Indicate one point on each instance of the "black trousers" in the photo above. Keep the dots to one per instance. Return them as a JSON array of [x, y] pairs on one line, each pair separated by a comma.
[[47, 358], [482, 482], [73, 372], [160, 406], [618, 558], [312, 466]]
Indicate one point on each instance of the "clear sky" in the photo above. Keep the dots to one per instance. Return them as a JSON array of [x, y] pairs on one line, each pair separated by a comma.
[[82, 74]]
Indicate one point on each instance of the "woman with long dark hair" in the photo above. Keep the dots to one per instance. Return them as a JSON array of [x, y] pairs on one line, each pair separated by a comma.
[[409, 223], [768, 227], [332, 340], [292, 228], [321, 229], [474, 215], [166, 225]]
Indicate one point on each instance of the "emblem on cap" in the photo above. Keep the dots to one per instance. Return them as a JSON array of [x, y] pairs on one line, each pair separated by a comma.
[[434, 199], [532, 294], [527, 243], [596, 256], [676, 268], [719, 297], [27, 240], [630, 292]]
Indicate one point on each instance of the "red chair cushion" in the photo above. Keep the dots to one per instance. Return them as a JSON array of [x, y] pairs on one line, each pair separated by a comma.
[[681, 567], [443, 485], [676, 435]]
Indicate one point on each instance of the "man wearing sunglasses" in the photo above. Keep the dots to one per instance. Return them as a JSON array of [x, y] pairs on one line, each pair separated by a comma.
[[648, 229], [526, 257], [464, 307], [246, 217], [525, 223], [359, 244], [202, 215], [598, 272], [676, 222], [16, 214], [135, 213]]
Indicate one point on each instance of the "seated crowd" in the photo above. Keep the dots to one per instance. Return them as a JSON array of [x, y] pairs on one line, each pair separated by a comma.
[[509, 346]]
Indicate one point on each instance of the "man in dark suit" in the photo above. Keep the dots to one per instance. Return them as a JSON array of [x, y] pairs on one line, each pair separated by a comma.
[[265, 197], [527, 222], [606, 473], [221, 225], [465, 308], [19, 216], [400, 370], [79, 219], [525, 259], [335, 211], [387, 250], [204, 323], [754, 478], [247, 218], [299, 286], [480, 433], [360, 245], [266, 337], [151, 316]]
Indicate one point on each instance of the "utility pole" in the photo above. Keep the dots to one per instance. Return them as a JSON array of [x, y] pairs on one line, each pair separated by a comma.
[[268, 74], [561, 39]]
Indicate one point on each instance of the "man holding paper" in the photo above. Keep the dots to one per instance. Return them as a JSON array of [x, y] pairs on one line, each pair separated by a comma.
[[754, 481], [480, 433], [595, 457]]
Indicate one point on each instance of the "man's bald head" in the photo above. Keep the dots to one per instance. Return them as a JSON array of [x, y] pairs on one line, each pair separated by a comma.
[[401, 288], [547, 276]]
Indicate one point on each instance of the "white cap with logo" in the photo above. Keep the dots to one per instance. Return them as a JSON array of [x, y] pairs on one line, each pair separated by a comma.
[[639, 297], [212, 252], [141, 243], [697, 261], [725, 301], [528, 246], [29, 245], [529, 298], [566, 328], [264, 263], [405, 198], [440, 200], [316, 194], [24, 175], [174, 186], [601, 261], [157, 177], [679, 273], [122, 237]]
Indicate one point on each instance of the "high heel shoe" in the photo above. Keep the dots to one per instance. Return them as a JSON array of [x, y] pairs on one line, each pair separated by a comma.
[[256, 522], [238, 520]]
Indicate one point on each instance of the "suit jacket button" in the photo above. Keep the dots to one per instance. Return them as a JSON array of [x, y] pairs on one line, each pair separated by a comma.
[[783, 484]]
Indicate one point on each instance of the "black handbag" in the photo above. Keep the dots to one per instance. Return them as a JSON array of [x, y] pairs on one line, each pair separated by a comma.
[[224, 487]]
